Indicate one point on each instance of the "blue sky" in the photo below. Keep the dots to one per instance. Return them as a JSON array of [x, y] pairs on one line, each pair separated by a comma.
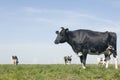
[[27, 27]]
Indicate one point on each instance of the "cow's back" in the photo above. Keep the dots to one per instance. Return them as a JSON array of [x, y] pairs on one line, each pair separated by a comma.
[[90, 40]]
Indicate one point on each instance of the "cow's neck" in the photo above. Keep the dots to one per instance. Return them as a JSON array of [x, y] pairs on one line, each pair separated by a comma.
[[70, 41], [69, 38]]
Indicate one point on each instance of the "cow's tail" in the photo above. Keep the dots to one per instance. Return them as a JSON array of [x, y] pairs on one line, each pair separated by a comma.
[[112, 40], [113, 43]]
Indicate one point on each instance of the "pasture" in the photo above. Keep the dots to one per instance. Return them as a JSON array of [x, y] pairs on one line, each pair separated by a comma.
[[58, 72]]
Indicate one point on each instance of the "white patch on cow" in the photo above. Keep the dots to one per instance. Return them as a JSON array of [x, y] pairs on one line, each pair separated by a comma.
[[14, 61], [83, 66], [116, 62], [107, 63], [60, 30], [79, 54], [110, 47], [108, 50]]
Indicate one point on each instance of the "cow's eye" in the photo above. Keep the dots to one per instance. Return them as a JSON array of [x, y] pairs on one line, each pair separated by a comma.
[[61, 34]]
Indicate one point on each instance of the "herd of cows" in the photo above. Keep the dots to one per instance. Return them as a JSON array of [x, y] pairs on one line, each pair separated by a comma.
[[85, 42], [68, 60]]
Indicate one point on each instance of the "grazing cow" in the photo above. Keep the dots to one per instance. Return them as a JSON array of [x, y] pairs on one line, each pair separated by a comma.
[[101, 61], [68, 59], [15, 60], [85, 42]]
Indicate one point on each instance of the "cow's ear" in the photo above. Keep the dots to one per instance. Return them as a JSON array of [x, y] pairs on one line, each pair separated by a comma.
[[62, 28], [57, 32], [66, 30]]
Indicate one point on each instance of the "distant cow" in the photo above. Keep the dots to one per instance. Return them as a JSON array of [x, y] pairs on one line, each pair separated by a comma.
[[68, 59], [15, 60], [85, 42], [101, 61]]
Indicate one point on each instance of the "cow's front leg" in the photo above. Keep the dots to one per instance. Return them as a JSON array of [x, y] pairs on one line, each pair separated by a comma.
[[83, 61], [80, 54]]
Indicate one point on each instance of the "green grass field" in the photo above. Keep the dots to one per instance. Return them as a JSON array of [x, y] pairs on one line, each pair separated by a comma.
[[58, 72]]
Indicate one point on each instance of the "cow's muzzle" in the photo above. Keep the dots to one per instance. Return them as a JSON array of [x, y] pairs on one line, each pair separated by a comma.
[[56, 42]]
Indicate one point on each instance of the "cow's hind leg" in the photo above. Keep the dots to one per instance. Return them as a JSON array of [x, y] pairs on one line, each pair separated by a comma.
[[107, 58], [115, 59], [116, 62], [107, 63]]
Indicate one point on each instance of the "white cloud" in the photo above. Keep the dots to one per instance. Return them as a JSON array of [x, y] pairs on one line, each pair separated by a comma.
[[72, 18]]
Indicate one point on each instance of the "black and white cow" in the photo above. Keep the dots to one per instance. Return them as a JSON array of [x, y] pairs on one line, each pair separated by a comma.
[[67, 59], [85, 42], [15, 60]]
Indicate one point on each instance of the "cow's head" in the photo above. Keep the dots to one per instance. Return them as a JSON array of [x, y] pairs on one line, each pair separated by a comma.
[[61, 35]]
